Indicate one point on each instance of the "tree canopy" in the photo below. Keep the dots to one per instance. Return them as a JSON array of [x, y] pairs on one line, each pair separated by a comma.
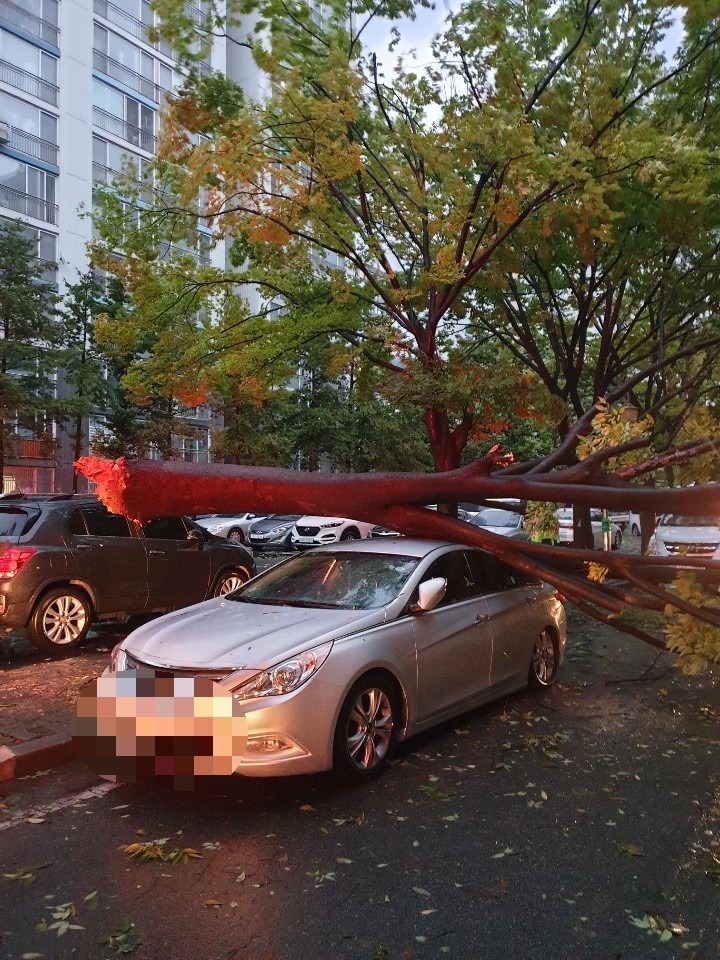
[[526, 226]]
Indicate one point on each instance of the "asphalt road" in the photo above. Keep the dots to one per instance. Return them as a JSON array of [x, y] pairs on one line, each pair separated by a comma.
[[583, 823]]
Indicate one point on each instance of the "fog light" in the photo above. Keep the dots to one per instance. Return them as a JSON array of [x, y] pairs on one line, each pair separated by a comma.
[[267, 744]]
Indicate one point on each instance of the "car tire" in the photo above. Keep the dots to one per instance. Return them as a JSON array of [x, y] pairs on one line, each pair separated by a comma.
[[352, 533], [236, 535], [230, 580], [617, 540], [635, 530], [367, 729], [544, 661], [60, 620]]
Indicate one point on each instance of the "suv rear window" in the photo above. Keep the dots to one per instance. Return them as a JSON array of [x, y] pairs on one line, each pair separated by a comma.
[[15, 522]]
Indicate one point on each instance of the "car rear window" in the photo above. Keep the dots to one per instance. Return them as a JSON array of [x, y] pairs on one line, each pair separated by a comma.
[[16, 522]]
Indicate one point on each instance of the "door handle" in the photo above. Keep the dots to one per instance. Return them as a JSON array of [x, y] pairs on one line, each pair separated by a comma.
[[84, 546], [157, 553]]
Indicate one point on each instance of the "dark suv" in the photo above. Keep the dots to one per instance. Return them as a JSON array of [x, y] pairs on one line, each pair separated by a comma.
[[66, 561]]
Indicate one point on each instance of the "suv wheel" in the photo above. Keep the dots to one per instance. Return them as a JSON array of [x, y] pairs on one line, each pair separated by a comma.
[[230, 580], [60, 619]]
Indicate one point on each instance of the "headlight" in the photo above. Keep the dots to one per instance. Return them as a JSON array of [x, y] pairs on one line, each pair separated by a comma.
[[335, 523], [215, 528], [280, 529], [118, 658], [285, 677]]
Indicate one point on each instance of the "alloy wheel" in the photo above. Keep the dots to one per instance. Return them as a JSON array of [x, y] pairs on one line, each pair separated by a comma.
[[543, 664], [369, 728], [64, 620]]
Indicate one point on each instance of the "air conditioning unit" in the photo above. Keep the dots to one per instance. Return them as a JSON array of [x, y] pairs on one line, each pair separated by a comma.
[[5, 131]]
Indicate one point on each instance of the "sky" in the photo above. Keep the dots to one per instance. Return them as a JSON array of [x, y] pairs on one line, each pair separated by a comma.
[[417, 34]]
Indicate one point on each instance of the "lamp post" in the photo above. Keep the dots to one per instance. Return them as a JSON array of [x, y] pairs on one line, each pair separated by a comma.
[[629, 413]]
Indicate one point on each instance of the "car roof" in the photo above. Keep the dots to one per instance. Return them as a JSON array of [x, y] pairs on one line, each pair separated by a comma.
[[394, 546], [37, 499]]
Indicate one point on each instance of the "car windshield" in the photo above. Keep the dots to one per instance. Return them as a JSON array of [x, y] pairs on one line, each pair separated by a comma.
[[497, 518], [342, 580], [676, 520]]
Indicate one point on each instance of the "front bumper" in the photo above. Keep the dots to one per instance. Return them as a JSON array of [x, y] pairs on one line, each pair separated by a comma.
[[272, 736]]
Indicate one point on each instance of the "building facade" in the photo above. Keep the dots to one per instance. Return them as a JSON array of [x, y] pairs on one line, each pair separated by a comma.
[[81, 88]]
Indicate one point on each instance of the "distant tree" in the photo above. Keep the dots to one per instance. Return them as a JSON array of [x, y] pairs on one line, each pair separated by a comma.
[[83, 363], [29, 334]]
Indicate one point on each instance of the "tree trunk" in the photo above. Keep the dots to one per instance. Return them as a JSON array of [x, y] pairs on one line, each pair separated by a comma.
[[583, 537], [77, 445]]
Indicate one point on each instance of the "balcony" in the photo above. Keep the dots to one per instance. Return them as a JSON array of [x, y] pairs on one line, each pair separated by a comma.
[[136, 28], [126, 131], [28, 83], [33, 146], [171, 250], [28, 205], [13, 15], [121, 73]]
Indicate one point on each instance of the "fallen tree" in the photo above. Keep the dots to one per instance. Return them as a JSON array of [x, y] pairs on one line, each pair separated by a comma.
[[601, 584]]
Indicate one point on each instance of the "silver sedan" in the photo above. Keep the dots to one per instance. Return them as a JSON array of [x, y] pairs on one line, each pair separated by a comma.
[[329, 659]]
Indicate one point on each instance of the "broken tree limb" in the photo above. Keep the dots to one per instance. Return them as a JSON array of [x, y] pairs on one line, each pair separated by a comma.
[[143, 489]]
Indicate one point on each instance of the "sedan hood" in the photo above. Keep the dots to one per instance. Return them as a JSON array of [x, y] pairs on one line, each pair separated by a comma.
[[225, 634]]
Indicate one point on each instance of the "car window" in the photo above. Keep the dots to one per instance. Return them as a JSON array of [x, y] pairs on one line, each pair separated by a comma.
[[165, 528], [677, 520], [453, 567], [15, 522], [100, 523], [490, 574], [343, 580]]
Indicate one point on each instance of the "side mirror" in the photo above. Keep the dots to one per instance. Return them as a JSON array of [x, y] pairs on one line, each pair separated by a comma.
[[196, 539], [430, 593]]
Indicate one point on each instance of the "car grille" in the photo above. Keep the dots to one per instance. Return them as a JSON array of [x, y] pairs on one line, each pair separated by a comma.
[[134, 664], [307, 531], [692, 549]]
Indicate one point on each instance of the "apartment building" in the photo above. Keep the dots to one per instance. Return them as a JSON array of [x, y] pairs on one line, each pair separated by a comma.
[[81, 88]]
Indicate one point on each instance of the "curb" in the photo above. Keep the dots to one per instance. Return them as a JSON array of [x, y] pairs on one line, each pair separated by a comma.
[[26, 758]]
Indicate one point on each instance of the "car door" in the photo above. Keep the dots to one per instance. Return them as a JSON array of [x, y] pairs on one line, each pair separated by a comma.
[[512, 618], [178, 566], [453, 643], [110, 558]]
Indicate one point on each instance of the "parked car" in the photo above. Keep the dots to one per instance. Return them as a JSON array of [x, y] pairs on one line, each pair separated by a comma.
[[679, 535], [66, 562], [272, 532], [314, 531], [378, 532], [566, 534], [234, 526], [506, 523], [333, 656]]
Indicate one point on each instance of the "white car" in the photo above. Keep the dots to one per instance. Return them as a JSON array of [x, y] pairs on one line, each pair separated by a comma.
[[234, 526], [566, 535], [677, 535], [506, 523], [313, 531]]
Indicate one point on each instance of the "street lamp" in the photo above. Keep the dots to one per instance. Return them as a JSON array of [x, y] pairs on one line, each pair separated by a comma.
[[629, 413]]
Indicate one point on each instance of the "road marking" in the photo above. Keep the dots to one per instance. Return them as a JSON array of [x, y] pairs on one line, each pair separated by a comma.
[[39, 813]]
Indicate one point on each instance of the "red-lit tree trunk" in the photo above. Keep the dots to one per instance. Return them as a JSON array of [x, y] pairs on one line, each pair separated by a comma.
[[143, 489]]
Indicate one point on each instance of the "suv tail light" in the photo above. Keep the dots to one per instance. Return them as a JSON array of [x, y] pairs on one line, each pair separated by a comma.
[[13, 560]]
